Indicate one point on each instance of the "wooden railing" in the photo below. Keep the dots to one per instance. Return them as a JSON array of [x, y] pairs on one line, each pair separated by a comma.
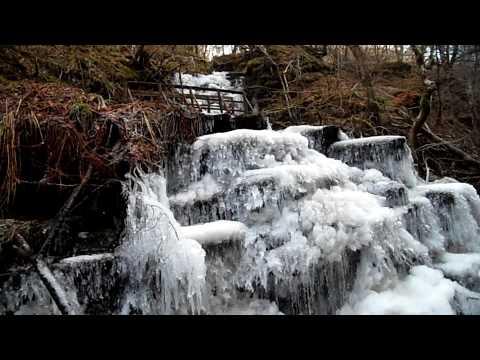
[[216, 99]]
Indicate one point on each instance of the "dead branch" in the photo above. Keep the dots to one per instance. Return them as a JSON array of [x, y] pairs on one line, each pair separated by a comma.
[[366, 79], [452, 148], [281, 76], [46, 276]]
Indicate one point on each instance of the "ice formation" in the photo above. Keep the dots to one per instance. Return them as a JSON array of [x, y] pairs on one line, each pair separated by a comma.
[[458, 211], [166, 270], [389, 154], [215, 232], [285, 226]]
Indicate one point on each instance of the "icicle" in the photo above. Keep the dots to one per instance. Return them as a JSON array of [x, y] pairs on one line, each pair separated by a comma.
[[166, 271]]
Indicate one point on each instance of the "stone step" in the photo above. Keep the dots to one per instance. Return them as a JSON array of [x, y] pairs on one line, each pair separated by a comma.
[[395, 193], [388, 154], [97, 279]]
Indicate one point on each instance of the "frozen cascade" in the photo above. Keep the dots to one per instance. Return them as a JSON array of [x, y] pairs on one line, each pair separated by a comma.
[[296, 221], [321, 234]]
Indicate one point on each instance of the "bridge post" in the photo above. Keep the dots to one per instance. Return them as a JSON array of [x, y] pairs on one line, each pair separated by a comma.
[[220, 101]]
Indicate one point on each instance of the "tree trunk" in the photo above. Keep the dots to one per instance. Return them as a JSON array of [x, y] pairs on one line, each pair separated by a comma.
[[425, 100], [421, 119], [372, 106]]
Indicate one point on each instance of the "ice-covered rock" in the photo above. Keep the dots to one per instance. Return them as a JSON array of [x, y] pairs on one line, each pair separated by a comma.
[[463, 268], [422, 222], [466, 302], [92, 284], [457, 207], [388, 154]]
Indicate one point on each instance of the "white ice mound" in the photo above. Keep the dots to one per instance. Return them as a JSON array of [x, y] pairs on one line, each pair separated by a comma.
[[215, 232], [293, 176], [460, 265], [424, 291], [258, 141]]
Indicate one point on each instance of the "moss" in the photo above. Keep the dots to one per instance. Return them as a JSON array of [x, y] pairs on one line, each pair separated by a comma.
[[81, 112]]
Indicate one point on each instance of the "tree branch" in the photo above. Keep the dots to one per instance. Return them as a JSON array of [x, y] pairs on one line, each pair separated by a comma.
[[46, 276], [454, 149]]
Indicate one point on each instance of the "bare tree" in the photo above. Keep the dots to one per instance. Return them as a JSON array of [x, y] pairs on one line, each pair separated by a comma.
[[282, 77], [372, 106], [425, 100]]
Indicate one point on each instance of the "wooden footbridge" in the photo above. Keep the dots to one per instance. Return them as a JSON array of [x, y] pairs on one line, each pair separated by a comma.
[[201, 99]]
